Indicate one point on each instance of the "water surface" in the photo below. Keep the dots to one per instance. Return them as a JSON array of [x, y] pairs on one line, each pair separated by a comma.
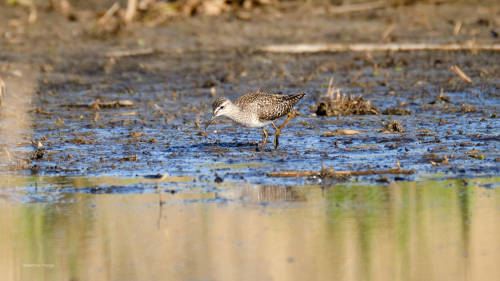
[[57, 228]]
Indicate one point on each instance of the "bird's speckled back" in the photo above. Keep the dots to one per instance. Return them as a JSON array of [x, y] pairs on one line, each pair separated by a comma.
[[266, 105]]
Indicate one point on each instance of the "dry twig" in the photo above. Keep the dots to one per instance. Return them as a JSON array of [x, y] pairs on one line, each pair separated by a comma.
[[387, 32], [97, 104], [2, 90], [460, 73], [131, 11], [346, 9], [130, 53], [367, 47], [331, 173], [457, 28], [340, 132], [109, 14]]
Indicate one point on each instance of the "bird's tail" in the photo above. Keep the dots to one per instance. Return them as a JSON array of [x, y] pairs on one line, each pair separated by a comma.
[[296, 97]]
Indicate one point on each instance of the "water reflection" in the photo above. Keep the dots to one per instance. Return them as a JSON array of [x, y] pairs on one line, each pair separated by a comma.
[[443, 230], [15, 122]]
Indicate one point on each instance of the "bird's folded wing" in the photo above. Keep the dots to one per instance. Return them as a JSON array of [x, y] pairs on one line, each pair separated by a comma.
[[274, 107], [268, 106]]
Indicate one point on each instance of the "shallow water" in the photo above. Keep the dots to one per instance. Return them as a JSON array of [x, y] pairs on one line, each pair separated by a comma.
[[137, 193], [103, 228]]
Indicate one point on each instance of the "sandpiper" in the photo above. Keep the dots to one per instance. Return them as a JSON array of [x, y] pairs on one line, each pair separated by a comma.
[[257, 110]]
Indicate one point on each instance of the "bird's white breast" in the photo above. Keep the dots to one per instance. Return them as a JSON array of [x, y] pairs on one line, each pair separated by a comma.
[[249, 121]]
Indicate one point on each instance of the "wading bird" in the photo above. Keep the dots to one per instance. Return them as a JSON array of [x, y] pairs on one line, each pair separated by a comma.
[[257, 110]]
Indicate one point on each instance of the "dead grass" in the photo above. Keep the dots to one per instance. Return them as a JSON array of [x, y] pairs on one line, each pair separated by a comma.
[[337, 104]]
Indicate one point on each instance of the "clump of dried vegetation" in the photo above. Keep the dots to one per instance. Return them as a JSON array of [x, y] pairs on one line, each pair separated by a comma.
[[393, 127], [155, 12], [149, 12], [337, 104]]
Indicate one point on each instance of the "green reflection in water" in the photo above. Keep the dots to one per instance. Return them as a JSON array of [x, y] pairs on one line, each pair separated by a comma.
[[431, 230]]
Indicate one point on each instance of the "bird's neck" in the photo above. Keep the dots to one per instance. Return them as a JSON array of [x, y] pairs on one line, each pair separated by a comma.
[[236, 114]]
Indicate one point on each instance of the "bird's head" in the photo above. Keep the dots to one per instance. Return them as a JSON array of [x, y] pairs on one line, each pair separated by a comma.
[[220, 107]]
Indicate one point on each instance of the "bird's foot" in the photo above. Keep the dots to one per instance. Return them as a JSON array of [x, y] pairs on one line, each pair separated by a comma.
[[278, 130], [264, 142]]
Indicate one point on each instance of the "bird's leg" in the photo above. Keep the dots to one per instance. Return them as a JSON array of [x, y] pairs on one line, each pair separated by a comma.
[[278, 130], [265, 139]]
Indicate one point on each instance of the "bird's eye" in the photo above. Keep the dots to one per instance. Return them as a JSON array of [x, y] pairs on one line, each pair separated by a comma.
[[222, 107]]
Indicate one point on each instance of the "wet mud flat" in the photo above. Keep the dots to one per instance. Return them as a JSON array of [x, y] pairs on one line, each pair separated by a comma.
[[95, 113], [147, 115]]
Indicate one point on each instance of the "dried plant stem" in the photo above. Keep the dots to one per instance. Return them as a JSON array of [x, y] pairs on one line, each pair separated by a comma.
[[460, 73], [387, 32], [130, 53], [131, 11], [109, 14], [367, 47], [291, 174], [330, 173], [2, 90], [346, 9]]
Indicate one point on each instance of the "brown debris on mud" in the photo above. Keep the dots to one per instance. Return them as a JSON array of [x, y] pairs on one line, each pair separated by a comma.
[[332, 173], [97, 104], [435, 159], [394, 127], [396, 111], [337, 104], [340, 132]]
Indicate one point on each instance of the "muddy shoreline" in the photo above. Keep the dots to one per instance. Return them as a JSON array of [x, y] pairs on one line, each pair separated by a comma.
[[171, 90]]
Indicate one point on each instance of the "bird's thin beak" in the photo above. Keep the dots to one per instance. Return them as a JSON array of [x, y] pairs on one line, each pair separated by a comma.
[[210, 122]]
